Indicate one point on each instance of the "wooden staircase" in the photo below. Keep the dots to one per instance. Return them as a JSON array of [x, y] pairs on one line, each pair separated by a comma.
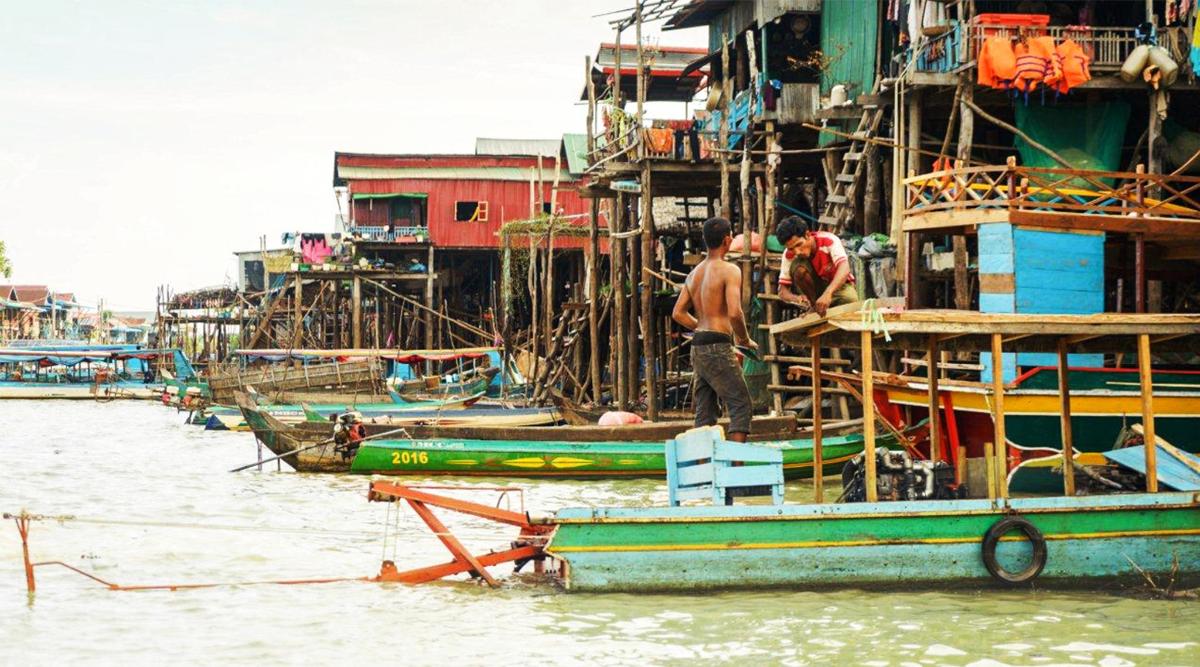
[[839, 205]]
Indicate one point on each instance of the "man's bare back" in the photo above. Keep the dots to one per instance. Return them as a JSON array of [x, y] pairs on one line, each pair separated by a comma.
[[709, 285]]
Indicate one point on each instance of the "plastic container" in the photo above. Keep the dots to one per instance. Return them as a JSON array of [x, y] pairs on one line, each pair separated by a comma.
[[995, 23]]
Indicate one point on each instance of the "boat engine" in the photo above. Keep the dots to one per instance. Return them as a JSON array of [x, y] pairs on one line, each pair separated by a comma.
[[899, 477]]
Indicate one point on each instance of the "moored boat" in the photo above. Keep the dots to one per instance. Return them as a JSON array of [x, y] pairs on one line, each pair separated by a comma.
[[232, 419], [1103, 402]]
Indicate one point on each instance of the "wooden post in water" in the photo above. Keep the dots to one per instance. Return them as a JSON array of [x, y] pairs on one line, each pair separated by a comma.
[[647, 281], [817, 425], [723, 141], [619, 319], [1144, 374], [593, 252], [356, 311], [868, 406], [935, 428], [1001, 446], [1064, 402]]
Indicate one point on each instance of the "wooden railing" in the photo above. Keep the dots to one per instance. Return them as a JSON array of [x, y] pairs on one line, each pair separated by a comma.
[[1106, 47], [1063, 191]]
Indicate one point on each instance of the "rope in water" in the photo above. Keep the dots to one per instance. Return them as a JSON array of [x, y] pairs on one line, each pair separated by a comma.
[[63, 518]]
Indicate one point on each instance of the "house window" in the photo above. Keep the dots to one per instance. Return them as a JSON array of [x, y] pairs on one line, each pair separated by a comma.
[[471, 211], [546, 208]]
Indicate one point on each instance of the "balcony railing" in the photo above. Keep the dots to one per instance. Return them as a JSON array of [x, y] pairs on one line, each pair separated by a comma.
[[1067, 192], [1106, 46], [396, 235]]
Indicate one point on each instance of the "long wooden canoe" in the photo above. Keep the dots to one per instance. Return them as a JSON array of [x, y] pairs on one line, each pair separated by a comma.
[[224, 418], [281, 439], [499, 458]]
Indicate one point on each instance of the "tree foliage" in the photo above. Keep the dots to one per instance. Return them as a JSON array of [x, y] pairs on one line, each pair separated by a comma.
[[5, 265]]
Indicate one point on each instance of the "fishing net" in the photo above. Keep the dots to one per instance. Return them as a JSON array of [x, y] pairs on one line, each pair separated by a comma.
[[757, 373], [1088, 137]]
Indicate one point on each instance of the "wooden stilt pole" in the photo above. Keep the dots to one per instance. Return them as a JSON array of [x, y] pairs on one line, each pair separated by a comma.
[[817, 423], [868, 406], [1147, 386], [1064, 402], [935, 427], [1001, 443]]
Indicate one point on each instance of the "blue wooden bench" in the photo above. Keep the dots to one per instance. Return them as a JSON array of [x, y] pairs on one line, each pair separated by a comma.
[[701, 463]]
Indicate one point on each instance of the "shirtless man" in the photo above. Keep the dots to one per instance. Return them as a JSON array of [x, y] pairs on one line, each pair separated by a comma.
[[714, 291]]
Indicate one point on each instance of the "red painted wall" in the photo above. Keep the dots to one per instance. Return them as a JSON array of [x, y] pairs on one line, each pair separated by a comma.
[[506, 200]]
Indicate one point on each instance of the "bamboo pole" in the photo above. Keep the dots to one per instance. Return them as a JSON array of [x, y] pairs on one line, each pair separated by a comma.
[[1001, 444], [817, 424], [620, 317], [868, 406], [723, 135], [935, 428], [1147, 386], [1064, 402], [649, 339]]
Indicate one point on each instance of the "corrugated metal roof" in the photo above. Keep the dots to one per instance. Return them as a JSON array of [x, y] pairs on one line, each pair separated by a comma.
[[575, 146], [544, 147], [450, 173]]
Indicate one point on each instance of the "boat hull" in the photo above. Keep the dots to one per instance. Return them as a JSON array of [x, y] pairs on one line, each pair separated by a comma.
[[78, 391], [567, 459], [904, 544], [1032, 417]]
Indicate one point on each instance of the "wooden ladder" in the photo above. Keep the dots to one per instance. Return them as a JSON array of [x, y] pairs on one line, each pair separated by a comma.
[[839, 205]]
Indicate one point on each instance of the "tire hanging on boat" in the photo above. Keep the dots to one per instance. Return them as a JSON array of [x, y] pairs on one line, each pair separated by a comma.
[[992, 537]]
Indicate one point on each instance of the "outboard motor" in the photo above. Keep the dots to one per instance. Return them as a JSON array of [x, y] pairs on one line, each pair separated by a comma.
[[899, 477], [348, 433]]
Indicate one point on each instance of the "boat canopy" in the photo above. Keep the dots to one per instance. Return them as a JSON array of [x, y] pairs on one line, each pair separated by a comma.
[[71, 357], [970, 331]]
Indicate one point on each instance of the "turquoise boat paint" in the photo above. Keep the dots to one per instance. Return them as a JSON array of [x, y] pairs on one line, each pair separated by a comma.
[[900, 544]]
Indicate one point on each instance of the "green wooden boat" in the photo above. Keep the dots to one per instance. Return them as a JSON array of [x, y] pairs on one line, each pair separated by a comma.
[[570, 459]]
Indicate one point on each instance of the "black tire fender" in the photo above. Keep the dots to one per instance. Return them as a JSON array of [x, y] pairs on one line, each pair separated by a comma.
[[992, 537]]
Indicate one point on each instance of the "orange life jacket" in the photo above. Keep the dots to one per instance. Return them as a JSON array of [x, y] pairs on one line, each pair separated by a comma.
[[997, 63], [1035, 63], [1073, 62]]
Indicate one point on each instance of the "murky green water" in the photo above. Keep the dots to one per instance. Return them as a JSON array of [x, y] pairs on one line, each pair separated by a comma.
[[167, 485]]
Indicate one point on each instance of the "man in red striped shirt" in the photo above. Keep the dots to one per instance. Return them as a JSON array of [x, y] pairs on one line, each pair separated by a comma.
[[815, 273]]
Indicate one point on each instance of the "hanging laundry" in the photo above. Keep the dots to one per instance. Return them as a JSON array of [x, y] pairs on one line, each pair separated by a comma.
[[997, 63], [659, 140], [1074, 63], [314, 248], [1195, 55]]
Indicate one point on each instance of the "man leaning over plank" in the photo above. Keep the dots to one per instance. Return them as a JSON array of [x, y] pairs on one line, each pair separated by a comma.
[[815, 273]]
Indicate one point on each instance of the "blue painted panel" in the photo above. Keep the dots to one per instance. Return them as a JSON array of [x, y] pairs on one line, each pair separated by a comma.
[[1172, 472], [1010, 366], [1051, 359], [1077, 280], [1041, 300], [997, 303], [1058, 243], [996, 249], [998, 263], [995, 238]]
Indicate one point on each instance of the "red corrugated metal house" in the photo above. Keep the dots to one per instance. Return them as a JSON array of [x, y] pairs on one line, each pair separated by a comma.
[[454, 201], [446, 211]]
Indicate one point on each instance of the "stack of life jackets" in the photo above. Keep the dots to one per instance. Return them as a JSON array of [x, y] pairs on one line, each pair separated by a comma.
[[1032, 62]]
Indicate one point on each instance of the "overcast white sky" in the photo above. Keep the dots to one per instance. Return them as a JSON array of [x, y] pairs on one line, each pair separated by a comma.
[[144, 142]]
